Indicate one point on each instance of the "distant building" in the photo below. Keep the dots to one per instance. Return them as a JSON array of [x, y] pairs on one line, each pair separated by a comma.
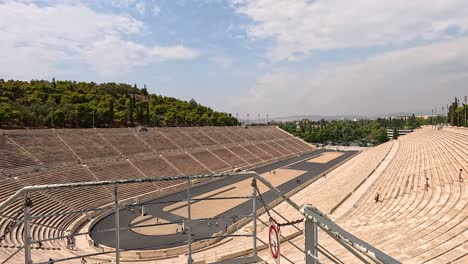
[[424, 116]]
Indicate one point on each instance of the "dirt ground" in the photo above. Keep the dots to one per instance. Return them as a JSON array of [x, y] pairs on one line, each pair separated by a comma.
[[211, 208], [326, 157], [153, 230]]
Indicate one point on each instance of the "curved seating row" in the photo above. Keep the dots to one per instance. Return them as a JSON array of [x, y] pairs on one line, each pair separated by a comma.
[[324, 193], [157, 152], [411, 223], [45, 148]]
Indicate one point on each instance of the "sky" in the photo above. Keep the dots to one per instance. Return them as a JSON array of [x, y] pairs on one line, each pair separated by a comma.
[[275, 57]]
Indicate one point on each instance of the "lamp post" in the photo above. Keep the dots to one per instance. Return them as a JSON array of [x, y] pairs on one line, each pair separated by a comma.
[[443, 117], [448, 112], [464, 106], [432, 117]]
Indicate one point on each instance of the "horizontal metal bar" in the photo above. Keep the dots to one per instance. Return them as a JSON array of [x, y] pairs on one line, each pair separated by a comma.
[[79, 257], [222, 236], [149, 225], [312, 213], [346, 239], [126, 228], [220, 217], [34, 188], [185, 200], [221, 198]]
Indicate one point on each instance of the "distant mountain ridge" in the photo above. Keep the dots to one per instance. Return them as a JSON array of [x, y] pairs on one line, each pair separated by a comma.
[[335, 117], [315, 117]]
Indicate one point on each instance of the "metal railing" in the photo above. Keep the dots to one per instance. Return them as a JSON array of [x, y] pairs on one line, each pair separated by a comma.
[[313, 219]]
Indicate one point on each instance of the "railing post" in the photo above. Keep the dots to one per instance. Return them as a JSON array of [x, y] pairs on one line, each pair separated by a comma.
[[117, 224], [311, 241], [254, 218], [27, 230], [189, 222]]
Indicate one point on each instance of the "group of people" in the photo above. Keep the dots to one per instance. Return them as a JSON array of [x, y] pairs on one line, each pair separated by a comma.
[[460, 179], [426, 185]]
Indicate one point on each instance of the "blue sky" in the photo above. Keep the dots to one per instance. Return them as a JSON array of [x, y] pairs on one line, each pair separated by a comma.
[[276, 57]]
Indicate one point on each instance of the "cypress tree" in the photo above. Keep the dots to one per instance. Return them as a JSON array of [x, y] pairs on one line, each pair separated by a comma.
[[111, 112], [396, 133], [132, 104], [147, 114]]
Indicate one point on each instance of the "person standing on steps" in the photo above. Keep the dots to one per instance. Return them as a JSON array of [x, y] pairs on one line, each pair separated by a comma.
[[377, 196], [460, 179], [426, 185]]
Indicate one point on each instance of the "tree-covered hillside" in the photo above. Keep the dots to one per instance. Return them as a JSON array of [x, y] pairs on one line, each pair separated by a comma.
[[61, 104], [341, 132], [457, 113], [346, 132]]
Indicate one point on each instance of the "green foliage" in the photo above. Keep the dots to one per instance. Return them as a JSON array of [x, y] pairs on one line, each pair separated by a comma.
[[40, 103], [457, 112], [343, 132]]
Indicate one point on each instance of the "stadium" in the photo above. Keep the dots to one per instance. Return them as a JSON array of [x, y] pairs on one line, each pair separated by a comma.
[[233, 132], [409, 223]]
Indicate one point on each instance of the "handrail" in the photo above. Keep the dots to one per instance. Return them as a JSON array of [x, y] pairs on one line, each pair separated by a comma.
[[314, 214], [311, 213]]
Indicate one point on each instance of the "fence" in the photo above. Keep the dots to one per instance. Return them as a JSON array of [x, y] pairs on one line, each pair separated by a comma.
[[312, 218]]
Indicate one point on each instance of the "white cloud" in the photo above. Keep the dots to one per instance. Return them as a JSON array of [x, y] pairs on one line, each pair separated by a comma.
[[173, 52], [415, 79], [37, 41], [299, 27]]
